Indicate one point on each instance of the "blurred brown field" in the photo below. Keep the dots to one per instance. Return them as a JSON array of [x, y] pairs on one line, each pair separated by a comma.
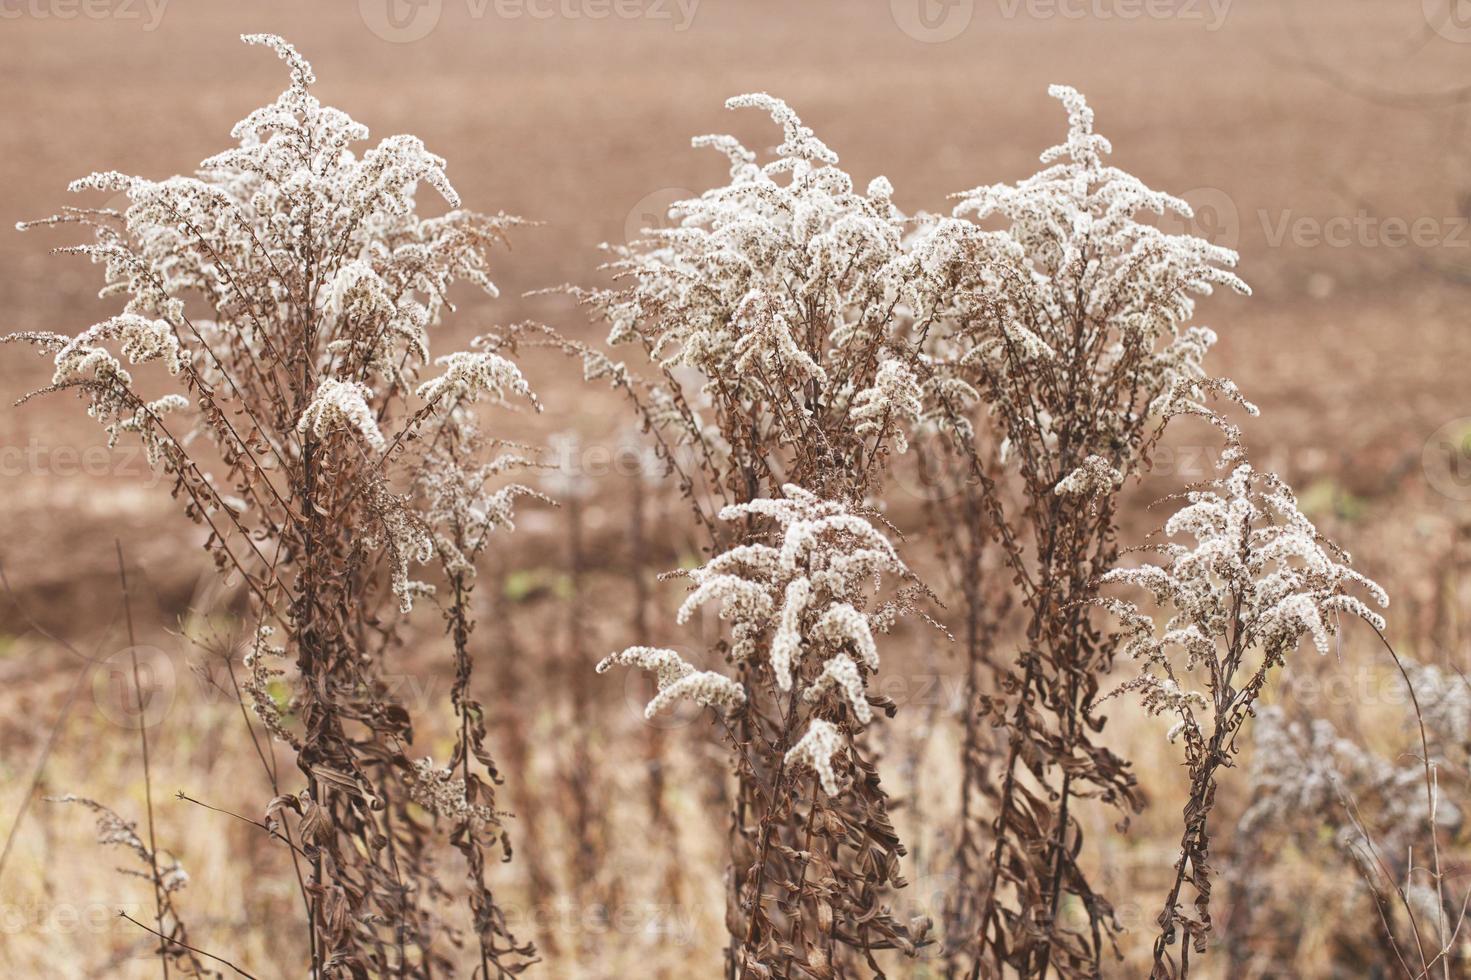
[[1317, 136]]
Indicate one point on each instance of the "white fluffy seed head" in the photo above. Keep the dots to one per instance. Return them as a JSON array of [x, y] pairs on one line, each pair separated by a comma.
[[1244, 569], [676, 679], [341, 405], [470, 374], [842, 673], [816, 749]]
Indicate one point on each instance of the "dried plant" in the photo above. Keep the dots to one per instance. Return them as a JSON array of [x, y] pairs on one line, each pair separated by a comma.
[[164, 874], [770, 314], [1251, 580], [463, 505], [803, 637], [1067, 329], [1389, 819], [282, 299], [960, 529]]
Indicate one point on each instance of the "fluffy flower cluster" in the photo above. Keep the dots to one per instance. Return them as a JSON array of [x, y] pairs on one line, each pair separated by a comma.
[[469, 374], [339, 405], [816, 750], [1077, 222], [147, 422], [1306, 778], [262, 674], [290, 212], [811, 582], [785, 276], [359, 293], [893, 404], [1074, 276], [800, 599], [1256, 574], [442, 793], [113, 830], [677, 679], [139, 340], [402, 534], [83, 363], [462, 505], [1094, 478]]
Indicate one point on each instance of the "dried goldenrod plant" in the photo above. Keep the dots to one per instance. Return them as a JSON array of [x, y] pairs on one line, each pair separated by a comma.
[[803, 622], [770, 315], [271, 356], [1066, 332], [1246, 577], [167, 877], [1396, 822]]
